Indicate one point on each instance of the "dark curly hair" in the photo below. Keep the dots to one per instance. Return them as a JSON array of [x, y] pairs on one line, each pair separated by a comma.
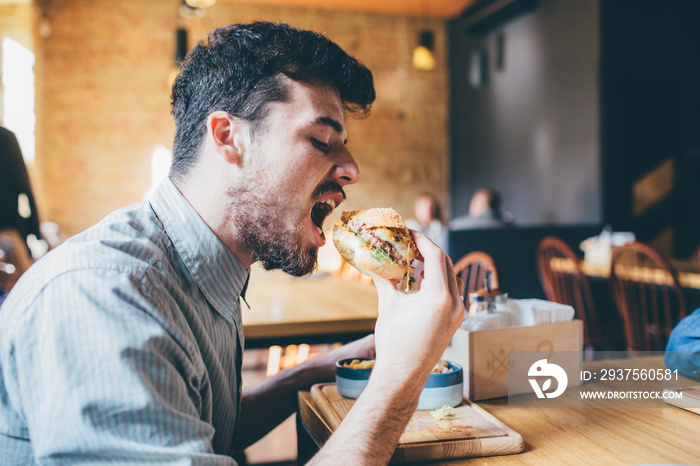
[[239, 69]]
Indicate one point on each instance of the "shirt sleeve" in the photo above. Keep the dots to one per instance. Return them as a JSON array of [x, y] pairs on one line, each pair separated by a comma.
[[683, 348], [105, 374]]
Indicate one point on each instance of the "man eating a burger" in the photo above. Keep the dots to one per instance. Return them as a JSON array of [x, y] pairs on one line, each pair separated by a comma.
[[124, 344]]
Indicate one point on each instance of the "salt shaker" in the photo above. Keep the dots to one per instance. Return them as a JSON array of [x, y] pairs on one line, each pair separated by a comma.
[[488, 308]]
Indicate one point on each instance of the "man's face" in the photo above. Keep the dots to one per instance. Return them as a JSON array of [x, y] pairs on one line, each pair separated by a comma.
[[293, 178]]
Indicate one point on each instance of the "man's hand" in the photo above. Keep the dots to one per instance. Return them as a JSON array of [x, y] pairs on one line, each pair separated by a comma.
[[411, 334], [414, 329]]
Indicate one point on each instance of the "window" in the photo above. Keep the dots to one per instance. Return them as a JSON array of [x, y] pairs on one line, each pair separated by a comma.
[[18, 82]]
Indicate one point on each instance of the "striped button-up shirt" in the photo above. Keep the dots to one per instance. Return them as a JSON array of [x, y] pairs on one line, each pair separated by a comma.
[[124, 344]]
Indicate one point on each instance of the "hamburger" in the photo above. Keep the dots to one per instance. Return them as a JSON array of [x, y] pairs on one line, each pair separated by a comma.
[[376, 242]]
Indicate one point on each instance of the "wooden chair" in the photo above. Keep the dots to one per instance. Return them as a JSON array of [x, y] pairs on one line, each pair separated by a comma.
[[647, 294], [564, 282], [472, 270]]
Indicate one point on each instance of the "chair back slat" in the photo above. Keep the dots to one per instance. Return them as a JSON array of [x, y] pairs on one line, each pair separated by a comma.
[[471, 269]]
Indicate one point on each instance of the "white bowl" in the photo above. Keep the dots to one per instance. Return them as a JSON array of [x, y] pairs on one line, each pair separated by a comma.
[[440, 389]]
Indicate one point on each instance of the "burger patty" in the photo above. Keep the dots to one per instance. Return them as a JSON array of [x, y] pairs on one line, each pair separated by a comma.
[[373, 238]]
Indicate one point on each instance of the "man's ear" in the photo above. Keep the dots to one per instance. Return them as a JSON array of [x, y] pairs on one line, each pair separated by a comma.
[[228, 136]]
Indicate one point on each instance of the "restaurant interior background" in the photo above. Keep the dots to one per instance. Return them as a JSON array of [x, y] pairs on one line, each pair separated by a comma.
[[579, 112], [582, 113]]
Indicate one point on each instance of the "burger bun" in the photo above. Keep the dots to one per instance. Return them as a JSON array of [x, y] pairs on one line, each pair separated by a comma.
[[386, 225]]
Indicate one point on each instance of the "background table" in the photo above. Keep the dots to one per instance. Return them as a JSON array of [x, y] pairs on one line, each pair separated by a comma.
[[318, 309], [579, 436], [688, 272]]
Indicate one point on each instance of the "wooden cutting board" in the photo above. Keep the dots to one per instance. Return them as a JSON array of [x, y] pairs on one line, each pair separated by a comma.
[[468, 431]]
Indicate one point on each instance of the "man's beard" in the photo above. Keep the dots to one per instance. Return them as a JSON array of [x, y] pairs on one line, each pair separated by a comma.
[[278, 247], [263, 233]]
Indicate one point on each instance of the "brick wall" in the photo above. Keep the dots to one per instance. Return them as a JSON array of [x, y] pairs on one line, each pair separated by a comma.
[[103, 80]]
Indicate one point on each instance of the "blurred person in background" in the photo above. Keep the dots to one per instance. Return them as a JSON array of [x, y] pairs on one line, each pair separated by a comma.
[[17, 206], [683, 347], [19, 220], [429, 219], [485, 211]]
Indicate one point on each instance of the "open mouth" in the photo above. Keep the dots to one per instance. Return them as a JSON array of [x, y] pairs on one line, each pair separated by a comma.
[[320, 211]]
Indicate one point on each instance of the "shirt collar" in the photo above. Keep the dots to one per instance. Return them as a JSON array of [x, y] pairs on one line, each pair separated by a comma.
[[219, 274]]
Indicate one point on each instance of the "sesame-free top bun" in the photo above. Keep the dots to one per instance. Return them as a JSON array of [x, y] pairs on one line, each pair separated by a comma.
[[358, 253]]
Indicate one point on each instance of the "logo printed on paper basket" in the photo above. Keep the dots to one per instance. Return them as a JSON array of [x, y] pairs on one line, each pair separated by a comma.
[[542, 368], [498, 363]]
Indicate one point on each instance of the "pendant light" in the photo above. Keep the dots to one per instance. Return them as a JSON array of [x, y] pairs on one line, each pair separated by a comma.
[[423, 58]]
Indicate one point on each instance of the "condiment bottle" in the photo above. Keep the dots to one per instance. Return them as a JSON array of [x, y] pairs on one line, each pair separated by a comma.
[[488, 308]]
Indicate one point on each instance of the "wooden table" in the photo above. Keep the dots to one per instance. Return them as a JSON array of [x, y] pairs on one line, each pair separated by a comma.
[[584, 436], [688, 272], [321, 308]]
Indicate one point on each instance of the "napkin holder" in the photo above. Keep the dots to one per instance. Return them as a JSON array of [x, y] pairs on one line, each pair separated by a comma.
[[484, 354]]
